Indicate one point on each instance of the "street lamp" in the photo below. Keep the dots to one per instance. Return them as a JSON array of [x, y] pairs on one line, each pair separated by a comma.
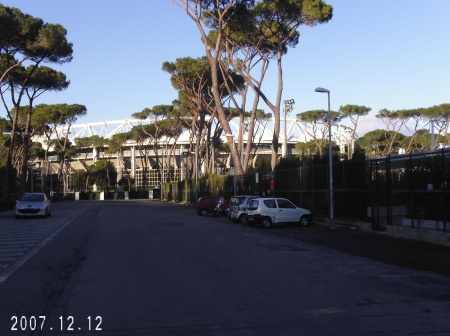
[[288, 107], [330, 157], [433, 147], [196, 175]]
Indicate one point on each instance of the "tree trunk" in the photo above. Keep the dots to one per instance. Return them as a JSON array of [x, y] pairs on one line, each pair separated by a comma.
[[250, 135], [222, 118], [8, 166], [276, 114]]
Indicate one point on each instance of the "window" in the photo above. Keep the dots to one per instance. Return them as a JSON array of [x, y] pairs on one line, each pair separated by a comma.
[[152, 177], [33, 198], [270, 203], [253, 205], [285, 204], [237, 200]]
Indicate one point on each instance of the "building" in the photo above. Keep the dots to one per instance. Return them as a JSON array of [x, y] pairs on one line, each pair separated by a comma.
[[149, 164]]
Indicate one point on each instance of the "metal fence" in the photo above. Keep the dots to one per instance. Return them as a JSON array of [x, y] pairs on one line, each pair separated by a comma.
[[308, 187], [411, 190], [404, 190]]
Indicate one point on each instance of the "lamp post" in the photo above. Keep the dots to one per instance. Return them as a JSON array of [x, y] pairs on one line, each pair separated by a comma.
[[51, 180], [196, 175], [212, 141], [330, 157], [433, 147], [288, 107]]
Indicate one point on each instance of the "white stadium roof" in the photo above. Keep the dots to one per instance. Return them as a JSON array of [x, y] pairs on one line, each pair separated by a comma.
[[296, 131]]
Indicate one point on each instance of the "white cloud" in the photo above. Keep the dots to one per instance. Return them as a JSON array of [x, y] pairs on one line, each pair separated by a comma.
[[369, 123]]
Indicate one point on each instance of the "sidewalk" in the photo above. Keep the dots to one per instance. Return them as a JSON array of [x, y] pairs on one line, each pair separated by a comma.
[[395, 251], [413, 233]]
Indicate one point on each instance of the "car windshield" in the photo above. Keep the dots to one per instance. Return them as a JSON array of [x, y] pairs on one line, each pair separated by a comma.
[[32, 198]]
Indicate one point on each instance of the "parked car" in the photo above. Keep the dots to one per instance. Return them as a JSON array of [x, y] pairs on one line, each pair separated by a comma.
[[33, 204], [238, 208], [267, 211], [206, 204]]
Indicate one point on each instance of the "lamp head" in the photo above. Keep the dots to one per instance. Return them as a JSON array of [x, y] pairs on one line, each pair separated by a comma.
[[319, 89]]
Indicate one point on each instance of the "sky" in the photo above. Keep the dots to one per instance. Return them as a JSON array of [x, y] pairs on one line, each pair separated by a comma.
[[392, 54]]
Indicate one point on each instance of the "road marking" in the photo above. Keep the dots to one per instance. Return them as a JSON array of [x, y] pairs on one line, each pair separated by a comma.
[[22, 260]]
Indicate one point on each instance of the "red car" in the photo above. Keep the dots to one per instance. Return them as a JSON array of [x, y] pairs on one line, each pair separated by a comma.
[[206, 204]]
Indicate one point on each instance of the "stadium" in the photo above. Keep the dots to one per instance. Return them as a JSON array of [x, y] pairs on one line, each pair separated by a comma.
[[149, 164]]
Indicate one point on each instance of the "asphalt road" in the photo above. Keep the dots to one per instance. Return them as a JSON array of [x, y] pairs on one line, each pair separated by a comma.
[[151, 268]]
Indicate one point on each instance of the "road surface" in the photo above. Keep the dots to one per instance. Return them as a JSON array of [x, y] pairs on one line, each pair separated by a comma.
[[144, 267]]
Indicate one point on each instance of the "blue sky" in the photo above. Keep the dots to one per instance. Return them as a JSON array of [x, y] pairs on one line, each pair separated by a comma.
[[390, 54]]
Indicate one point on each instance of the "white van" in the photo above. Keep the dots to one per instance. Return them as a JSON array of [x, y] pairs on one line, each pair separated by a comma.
[[238, 208]]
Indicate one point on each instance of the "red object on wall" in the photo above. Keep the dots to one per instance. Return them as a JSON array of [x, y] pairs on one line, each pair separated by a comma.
[[272, 184]]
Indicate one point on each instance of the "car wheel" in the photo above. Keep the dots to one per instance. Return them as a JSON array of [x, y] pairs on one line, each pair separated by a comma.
[[203, 212], [266, 222], [243, 219], [304, 221]]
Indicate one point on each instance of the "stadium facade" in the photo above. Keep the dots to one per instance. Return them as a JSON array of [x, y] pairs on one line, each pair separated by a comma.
[[150, 164]]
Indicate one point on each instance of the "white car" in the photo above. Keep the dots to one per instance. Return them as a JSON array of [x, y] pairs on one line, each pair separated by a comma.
[[33, 204], [267, 211], [238, 208]]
